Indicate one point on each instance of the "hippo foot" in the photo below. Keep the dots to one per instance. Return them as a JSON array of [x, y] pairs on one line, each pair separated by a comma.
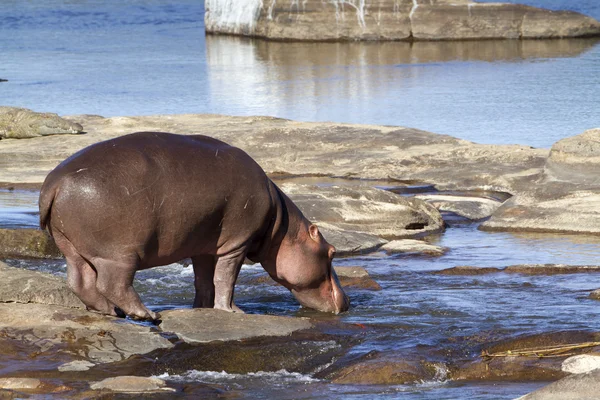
[[233, 308], [150, 316]]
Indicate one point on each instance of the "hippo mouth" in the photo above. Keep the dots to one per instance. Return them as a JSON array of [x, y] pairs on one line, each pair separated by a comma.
[[329, 297]]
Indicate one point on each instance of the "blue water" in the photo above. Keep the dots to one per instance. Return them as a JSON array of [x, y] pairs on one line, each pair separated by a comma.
[[151, 57]]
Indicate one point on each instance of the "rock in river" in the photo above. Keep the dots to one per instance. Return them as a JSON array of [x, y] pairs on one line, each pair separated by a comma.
[[132, 384], [33, 243], [22, 286], [368, 210], [575, 387], [392, 20], [203, 325]]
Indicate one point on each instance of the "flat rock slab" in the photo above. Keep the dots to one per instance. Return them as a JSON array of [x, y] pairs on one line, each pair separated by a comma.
[[19, 383], [575, 387], [368, 210], [82, 334], [473, 208], [412, 246], [23, 286], [207, 325], [132, 384], [528, 269]]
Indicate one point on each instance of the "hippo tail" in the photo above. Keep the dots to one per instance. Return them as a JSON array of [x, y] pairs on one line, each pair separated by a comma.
[[47, 196]]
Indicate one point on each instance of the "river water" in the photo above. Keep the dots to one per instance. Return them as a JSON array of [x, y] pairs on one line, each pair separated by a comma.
[[151, 57]]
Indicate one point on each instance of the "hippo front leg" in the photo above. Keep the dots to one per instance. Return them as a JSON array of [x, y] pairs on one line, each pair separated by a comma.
[[226, 273]]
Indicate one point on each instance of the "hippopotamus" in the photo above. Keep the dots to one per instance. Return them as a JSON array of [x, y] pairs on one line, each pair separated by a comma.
[[151, 198]]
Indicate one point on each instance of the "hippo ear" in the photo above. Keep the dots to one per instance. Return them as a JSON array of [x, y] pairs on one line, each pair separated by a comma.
[[314, 232]]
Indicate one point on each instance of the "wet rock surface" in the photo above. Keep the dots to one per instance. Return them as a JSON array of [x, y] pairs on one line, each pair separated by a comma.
[[27, 243], [207, 325], [377, 369], [526, 269]]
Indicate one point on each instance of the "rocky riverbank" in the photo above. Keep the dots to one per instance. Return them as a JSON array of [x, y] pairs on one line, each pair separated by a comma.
[[548, 190], [348, 179], [393, 20]]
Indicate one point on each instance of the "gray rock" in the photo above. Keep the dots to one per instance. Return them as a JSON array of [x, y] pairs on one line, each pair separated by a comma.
[[94, 337], [466, 20], [132, 384], [207, 325], [367, 210], [356, 277], [551, 269], [581, 363], [471, 207], [576, 159], [77, 365], [19, 123], [24, 286], [27, 243], [350, 242], [393, 20], [575, 387], [412, 246], [19, 383]]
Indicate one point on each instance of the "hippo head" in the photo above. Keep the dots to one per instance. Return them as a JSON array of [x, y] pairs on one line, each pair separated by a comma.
[[303, 265]]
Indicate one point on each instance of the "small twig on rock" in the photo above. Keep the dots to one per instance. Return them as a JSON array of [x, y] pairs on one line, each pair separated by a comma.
[[541, 352]]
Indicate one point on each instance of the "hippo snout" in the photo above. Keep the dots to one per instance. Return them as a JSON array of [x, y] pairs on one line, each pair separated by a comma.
[[341, 302]]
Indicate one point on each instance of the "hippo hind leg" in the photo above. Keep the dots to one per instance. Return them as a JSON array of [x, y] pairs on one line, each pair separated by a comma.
[[115, 282], [81, 278], [204, 272]]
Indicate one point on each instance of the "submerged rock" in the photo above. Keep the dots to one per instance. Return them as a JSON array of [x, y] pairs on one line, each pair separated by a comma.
[[551, 269], [528, 269], [19, 123], [27, 243], [468, 270], [202, 325], [518, 359], [392, 20], [377, 369]]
